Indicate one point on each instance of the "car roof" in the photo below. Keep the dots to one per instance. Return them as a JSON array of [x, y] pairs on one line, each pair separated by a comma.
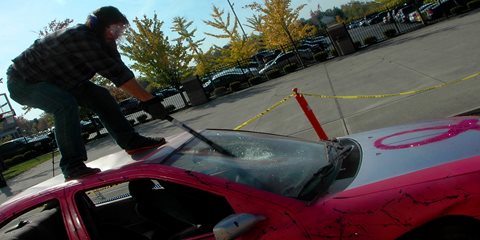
[[20, 139], [108, 164]]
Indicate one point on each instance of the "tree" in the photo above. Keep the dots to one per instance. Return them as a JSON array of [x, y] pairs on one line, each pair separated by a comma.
[[334, 12], [181, 27], [316, 18], [392, 3], [54, 26], [275, 17], [148, 48], [160, 63], [356, 9], [208, 62], [238, 47]]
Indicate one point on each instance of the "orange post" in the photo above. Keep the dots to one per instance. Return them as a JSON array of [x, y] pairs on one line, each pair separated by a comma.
[[310, 116]]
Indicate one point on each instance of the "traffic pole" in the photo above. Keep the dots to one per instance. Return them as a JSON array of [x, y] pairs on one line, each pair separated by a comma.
[[309, 114]]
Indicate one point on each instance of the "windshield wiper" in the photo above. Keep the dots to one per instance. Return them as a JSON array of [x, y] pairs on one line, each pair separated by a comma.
[[324, 177]]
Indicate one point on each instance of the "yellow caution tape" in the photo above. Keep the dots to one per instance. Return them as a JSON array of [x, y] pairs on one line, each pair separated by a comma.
[[354, 97], [264, 112], [394, 94]]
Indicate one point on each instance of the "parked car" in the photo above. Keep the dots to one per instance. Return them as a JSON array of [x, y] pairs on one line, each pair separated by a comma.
[[367, 18], [89, 127], [226, 77], [287, 58], [378, 18], [12, 148], [443, 8], [38, 144], [402, 14], [207, 85], [166, 92], [320, 42], [354, 24], [42, 143], [265, 56], [415, 16], [129, 106], [414, 181]]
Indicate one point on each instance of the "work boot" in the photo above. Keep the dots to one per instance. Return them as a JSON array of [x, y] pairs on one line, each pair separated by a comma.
[[140, 144], [80, 171]]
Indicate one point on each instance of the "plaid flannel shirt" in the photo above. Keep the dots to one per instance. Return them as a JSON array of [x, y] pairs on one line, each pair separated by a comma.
[[70, 57]]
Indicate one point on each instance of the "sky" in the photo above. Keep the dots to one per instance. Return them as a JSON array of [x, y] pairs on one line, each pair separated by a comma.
[[21, 20]]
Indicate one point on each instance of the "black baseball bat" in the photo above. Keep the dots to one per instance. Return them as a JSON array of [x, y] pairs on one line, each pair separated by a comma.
[[196, 134]]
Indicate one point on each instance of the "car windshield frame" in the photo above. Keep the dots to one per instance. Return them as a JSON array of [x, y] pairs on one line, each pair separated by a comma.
[[273, 163]]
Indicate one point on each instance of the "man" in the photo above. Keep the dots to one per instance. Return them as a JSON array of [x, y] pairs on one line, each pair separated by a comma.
[[54, 75]]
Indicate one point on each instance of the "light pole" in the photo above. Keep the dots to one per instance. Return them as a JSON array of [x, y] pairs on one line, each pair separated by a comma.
[[236, 18]]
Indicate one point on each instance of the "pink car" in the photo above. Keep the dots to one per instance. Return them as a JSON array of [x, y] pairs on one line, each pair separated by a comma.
[[416, 181]]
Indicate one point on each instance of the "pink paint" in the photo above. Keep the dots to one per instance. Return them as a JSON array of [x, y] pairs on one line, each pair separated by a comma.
[[453, 130]]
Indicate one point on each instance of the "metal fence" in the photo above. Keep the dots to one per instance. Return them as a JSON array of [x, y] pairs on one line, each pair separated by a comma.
[[172, 104], [366, 35], [242, 74]]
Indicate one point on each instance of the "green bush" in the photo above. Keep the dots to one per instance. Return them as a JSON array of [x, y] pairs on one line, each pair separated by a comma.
[[458, 10], [321, 56], [256, 80], [220, 91], [274, 73], [20, 158], [390, 33], [334, 52], [290, 68], [370, 40], [473, 4], [14, 161]]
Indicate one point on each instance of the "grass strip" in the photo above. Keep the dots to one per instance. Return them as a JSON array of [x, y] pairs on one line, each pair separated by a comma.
[[20, 168]]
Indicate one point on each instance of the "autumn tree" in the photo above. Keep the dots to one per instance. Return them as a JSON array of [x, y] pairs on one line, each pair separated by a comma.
[[357, 9], [54, 26], [238, 47], [181, 27], [209, 61], [390, 3], [159, 62], [278, 23]]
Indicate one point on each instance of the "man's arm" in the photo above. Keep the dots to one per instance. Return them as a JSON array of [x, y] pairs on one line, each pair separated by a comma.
[[133, 88], [150, 104]]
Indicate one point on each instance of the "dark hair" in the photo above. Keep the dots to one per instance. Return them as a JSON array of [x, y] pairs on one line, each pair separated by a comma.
[[103, 17]]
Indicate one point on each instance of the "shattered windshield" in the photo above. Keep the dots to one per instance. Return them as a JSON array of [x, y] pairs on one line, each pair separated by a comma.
[[269, 162]]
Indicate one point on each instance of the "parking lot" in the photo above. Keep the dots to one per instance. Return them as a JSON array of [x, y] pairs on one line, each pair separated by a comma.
[[433, 55]]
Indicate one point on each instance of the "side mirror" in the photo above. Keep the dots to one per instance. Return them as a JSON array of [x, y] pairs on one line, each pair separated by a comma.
[[235, 225]]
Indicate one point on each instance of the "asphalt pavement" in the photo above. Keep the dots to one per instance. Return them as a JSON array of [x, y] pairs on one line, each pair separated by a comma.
[[432, 56]]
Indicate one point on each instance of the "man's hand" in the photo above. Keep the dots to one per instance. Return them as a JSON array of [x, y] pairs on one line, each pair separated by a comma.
[[155, 108]]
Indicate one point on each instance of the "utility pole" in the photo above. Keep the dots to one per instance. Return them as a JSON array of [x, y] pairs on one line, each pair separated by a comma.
[[236, 19]]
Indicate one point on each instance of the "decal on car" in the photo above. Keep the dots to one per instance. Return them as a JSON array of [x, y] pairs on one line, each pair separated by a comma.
[[453, 130]]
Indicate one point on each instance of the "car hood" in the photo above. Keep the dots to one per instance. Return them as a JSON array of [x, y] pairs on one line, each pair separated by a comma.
[[399, 150]]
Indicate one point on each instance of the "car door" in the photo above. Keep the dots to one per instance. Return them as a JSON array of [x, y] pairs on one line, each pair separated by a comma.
[[186, 206], [41, 217]]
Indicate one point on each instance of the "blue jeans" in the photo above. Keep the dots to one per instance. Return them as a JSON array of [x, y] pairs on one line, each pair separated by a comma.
[[63, 105]]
